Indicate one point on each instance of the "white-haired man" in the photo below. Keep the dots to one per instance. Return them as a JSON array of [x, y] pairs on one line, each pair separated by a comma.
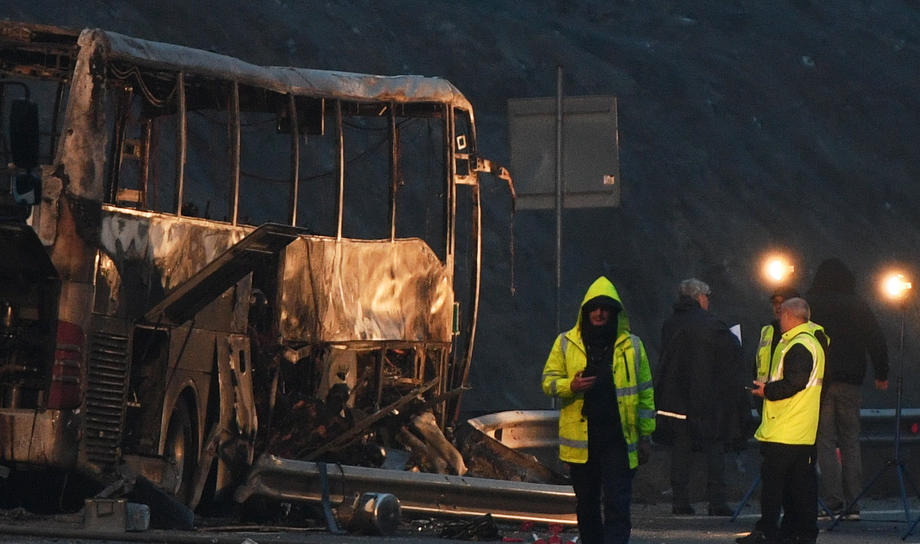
[[699, 395], [792, 401]]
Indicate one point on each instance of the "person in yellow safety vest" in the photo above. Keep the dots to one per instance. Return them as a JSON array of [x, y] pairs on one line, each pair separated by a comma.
[[601, 374], [769, 336], [788, 428]]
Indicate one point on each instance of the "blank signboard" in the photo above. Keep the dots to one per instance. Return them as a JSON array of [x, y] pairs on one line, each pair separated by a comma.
[[590, 151]]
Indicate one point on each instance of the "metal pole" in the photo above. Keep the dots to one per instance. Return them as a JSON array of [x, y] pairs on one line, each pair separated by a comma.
[[295, 160], [340, 167], [235, 138], [559, 118], [181, 141]]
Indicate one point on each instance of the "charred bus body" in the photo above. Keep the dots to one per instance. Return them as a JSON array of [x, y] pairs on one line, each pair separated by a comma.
[[194, 246]]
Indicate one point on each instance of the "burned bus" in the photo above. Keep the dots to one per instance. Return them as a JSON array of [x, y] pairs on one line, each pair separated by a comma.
[[195, 247]]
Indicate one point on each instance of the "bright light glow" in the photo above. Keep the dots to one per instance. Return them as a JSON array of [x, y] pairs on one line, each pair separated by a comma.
[[777, 269], [895, 286]]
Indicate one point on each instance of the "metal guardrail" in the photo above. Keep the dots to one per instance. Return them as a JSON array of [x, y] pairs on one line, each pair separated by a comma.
[[532, 431], [535, 429], [878, 426], [438, 494]]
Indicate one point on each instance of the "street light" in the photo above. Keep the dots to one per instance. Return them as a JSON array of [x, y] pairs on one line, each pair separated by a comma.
[[777, 269], [895, 286]]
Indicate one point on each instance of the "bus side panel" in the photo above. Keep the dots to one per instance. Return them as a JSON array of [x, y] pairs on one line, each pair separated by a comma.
[[156, 253]]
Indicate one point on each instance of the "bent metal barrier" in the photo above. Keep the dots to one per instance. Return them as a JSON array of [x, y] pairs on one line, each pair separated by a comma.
[[528, 431], [418, 492]]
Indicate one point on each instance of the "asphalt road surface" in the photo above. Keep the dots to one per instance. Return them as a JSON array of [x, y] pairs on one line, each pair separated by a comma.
[[882, 521]]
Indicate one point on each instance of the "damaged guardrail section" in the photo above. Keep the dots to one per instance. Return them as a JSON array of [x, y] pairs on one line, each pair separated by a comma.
[[423, 493]]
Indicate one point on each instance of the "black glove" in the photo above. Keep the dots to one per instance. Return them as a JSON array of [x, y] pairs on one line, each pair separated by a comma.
[[644, 449]]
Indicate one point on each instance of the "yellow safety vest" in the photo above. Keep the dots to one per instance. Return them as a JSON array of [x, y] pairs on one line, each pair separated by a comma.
[[763, 353], [794, 420]]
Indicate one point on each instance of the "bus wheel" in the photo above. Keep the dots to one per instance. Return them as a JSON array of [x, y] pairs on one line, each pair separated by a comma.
[[179, 452]]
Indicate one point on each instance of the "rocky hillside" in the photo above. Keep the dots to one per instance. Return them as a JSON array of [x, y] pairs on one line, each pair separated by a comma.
[[744, 125]]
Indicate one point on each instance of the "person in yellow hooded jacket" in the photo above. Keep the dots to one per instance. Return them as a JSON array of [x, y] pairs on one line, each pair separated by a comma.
[[601, 374]]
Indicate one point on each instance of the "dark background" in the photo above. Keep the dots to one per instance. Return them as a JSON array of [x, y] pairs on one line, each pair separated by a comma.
[[744, 126]]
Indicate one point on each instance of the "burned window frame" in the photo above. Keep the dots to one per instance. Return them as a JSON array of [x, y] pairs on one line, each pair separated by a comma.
[[167, 92]]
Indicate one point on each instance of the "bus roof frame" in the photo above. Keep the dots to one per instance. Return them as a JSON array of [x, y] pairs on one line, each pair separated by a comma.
[[282, 79]]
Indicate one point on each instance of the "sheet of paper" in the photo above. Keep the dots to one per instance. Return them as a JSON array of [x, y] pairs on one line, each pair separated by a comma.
[[736, 330]]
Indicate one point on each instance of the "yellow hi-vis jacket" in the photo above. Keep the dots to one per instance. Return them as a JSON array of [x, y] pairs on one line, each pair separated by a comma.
[[763, 353], [632, 379], [794, 420]]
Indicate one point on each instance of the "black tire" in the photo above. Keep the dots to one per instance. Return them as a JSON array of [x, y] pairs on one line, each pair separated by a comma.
[[181, 452]]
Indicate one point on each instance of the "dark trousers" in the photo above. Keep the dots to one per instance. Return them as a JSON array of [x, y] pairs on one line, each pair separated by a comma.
[[838, 427], [789, 484], [603, 490], [682, 461]]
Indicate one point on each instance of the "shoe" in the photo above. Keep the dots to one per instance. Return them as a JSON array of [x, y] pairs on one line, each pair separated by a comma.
[[829, 514], [720, 510], [851, 516], [756, 537], [683, 510]]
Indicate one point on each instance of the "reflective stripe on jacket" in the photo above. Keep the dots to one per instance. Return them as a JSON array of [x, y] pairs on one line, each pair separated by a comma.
[[794, 420], [632, 379]]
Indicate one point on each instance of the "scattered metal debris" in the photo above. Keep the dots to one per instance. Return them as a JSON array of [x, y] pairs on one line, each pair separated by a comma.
[[482, 528]]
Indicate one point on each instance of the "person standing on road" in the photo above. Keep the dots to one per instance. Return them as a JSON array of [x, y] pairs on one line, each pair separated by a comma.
[[600, 372], [855, 335], [699, 394], [788, 428]]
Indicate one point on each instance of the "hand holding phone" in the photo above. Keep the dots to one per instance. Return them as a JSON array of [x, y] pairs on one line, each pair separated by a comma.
[[581, 382]]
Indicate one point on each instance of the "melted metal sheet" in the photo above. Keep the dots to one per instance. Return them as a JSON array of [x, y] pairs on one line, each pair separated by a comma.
[[348, 290], [331, 291]]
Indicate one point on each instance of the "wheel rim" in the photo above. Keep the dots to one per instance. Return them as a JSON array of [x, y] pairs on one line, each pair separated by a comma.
[[176, 453]]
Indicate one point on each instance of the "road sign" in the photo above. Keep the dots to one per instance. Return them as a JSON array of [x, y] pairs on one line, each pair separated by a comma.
[[590, 151]]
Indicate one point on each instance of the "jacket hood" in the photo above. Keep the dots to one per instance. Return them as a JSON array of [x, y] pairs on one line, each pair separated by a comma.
[[602, 287], [833, 275]]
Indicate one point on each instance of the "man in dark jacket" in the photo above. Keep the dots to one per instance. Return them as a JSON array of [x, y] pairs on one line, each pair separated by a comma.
[[854, 335], [699, 394]]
